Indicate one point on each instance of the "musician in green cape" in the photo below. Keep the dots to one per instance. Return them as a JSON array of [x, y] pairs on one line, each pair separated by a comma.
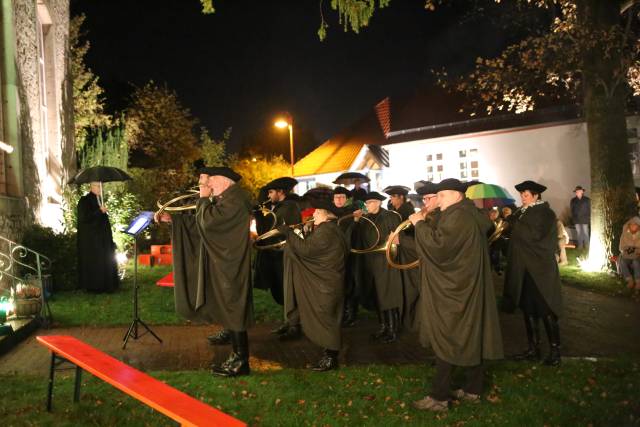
[[457, 297], [315, 268]]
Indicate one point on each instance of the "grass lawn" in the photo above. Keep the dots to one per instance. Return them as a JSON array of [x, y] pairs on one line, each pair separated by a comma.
[[579, 393], [156, 303], [604, 283]]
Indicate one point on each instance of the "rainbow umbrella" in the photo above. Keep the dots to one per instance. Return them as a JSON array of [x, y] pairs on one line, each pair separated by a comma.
[[489, 195]]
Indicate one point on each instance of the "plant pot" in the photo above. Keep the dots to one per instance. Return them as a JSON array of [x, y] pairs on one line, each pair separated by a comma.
[[28, 307]]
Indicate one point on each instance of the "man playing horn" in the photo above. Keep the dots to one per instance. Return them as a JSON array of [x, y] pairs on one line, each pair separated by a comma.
[[222, 218], [340, 197], [269, 264], [315, 270], [379, 284], [457, 297]]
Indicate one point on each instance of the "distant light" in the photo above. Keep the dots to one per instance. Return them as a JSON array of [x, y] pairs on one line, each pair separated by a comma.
[[121, 258], [281, 124], [596, 260], [253, 159], [6, 147]]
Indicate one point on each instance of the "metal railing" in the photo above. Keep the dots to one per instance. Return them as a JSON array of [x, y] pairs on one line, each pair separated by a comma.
[[21, 267]]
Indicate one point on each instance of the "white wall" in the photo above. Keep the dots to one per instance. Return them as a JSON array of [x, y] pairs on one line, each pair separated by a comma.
[[556, 156]]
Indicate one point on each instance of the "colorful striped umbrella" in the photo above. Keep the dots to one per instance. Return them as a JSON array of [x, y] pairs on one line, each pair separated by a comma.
[[489, 195]]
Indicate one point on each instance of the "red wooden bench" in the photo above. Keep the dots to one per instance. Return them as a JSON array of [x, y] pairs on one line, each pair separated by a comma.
[[171, 402]]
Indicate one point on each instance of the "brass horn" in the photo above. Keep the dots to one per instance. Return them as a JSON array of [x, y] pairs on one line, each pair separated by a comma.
[[168, 206], [499, 231], [372, 248], [389, 248], [275, 232]]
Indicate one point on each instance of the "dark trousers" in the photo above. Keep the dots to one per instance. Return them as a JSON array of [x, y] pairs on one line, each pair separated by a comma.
[[441, 383]]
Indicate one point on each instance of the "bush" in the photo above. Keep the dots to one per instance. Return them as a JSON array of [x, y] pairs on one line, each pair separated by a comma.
[[61, 249]]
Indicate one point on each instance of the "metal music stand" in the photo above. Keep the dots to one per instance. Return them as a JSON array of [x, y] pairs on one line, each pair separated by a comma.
[[137, 226]]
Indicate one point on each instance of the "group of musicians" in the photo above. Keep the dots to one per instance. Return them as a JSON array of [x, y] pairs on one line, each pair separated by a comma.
[[322, 273]]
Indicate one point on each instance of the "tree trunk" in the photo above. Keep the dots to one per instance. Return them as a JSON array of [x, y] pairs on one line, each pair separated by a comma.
[[612, 188]]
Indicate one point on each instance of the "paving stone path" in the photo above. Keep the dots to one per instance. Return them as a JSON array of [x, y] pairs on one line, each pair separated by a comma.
[[592, 325]]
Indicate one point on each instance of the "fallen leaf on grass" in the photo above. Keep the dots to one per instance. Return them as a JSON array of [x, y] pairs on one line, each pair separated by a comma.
[[493, 398], [369, 397], [277, 402], [301, 402]]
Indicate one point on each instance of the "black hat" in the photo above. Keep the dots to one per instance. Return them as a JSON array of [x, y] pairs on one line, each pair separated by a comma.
[[578, 187], [220, 170], [326, 205], [396, 189], [342, 190], [532, 186], [374, 195], [452, 184], [425, 187], [283, 183]]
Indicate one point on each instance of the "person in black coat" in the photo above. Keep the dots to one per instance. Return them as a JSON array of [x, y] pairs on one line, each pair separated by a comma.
[[97, 266], [532, 276]]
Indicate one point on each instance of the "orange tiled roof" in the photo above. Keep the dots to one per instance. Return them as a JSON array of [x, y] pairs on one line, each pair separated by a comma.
[[338, 153]]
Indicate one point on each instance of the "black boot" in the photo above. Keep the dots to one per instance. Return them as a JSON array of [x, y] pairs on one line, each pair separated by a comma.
[[281, 329], [328, 362], [533, 338], [223, 337], [238, 362], [553, 335], [293, 333], [384, 326], [349, 321], [393, 326]]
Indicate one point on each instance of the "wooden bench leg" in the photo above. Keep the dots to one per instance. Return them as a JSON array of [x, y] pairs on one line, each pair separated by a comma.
[[52, 369], [76, 390]]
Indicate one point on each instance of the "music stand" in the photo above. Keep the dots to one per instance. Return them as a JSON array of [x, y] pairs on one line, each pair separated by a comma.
[[137, 226]]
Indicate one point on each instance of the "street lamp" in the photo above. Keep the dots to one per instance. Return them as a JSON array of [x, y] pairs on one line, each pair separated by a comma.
[[287, 122]]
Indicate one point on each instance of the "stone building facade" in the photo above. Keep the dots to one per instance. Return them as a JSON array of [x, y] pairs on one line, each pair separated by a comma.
[[36, 120]]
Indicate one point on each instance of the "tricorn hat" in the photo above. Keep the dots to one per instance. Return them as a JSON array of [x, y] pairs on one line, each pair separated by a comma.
[[221, 171], [285, 183], [342, 190], [396, 189], [452, 184], [425, 187], [326, 205], [532, 186], [374, 195]]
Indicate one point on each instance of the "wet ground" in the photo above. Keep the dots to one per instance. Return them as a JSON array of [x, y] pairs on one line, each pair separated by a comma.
[[593, 325]]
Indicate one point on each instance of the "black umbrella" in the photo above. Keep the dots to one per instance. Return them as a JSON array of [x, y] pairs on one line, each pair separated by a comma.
[[348, 178], [99, 174]]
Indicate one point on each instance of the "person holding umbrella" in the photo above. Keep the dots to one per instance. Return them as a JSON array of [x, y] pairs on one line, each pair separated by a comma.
[[97, 266]]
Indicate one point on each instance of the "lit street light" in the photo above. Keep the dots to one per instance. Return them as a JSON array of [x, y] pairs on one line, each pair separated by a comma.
[[287, 123]]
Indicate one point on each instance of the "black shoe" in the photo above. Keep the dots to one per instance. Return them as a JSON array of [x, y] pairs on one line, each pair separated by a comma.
[[280, 329], [233, 367], [238, 362], [328, 362], [553, 359], [531, 353], [293, 333], [223, 337]]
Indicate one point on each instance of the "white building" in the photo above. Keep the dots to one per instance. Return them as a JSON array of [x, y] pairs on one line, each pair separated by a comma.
[[428, 138]]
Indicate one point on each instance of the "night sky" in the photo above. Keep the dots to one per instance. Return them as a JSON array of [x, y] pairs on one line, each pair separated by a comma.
[[252, 59]]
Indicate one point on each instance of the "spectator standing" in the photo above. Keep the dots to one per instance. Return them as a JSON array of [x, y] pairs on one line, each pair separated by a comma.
[[581, 216], [629, 258]]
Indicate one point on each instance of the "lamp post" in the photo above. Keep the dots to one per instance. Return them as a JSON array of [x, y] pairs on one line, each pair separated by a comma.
[[287, 122]]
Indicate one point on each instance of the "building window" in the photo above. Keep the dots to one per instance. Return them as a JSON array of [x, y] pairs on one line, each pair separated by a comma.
[[469, 164], [435, 167]]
